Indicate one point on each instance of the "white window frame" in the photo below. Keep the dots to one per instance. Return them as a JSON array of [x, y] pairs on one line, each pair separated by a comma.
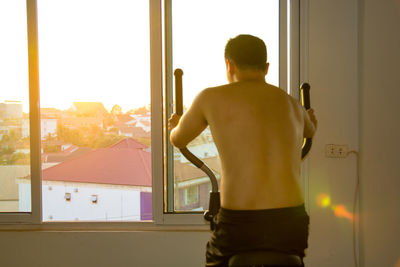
[[289, 78], [160, 53], [35, 216]]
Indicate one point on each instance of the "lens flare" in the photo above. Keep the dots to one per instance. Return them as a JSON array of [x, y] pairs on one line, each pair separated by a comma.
[[340, 211], [323, 200], [397, 263]]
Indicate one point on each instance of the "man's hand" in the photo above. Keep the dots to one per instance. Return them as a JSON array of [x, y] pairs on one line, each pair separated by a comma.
[[310, 123], [173, 121], [312, 117]]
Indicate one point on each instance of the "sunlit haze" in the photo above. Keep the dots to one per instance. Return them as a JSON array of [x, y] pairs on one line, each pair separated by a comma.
[[13, 52], [94, 51], [98, 51], [202, 29]]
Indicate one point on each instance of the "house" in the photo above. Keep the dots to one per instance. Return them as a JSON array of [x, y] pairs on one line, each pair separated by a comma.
[[140, 122], [133, 131], [79, 122], [133, 125], [84, 114], [88, 109], [11, 109], [192, 185], [9, 193], [50, 112], [11, 126], [66, 152], [47, 126], [106, 184]]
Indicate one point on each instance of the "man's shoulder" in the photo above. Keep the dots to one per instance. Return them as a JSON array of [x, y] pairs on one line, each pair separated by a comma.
[[217, 88], [212, 92]]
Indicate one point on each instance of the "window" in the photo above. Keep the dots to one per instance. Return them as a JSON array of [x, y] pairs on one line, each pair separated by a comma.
[[14, 109], [191, 197], [67, 197], [94, 199], [105, 94], [95, 117], [196, 42]]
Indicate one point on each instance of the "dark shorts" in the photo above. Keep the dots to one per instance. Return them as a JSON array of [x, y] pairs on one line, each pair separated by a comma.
[[283, 230]]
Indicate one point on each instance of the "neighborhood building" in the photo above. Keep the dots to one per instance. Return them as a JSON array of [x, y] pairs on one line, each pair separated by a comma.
[[9, 192], [106, 184], [11, 109], [192, 186], [131, 125]]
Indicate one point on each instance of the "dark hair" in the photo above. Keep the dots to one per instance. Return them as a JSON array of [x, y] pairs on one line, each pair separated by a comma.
[[247, 51]]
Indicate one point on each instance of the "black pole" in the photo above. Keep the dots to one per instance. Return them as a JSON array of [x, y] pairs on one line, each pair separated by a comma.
[[214, 202], [305, 100], [178, 92]]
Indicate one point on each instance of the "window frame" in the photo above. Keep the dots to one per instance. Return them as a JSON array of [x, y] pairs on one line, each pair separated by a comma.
[[35, 216], [289, 75], [160, 83]]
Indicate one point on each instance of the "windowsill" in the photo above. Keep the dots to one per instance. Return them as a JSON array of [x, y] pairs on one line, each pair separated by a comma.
[[149, 226]]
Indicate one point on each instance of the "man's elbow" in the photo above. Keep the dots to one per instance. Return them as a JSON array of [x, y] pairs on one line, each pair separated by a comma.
[[176, 142]]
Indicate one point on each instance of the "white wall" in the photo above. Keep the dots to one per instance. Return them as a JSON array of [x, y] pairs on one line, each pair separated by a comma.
[[358, 110], [102, 249], [114, 203], [380, 132], [48, 126], [334, 96]]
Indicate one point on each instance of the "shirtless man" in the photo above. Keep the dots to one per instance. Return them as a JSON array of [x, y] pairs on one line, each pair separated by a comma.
[[258, 130]]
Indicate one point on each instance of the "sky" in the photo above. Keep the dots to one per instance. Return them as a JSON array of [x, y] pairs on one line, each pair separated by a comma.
[[13, 51], [98, 50], [198, 45]]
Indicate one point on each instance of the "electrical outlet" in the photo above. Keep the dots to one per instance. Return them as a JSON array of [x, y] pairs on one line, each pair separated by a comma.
[[336, 151]]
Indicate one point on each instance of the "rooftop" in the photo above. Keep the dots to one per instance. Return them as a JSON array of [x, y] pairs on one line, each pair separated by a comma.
[[125, 163]]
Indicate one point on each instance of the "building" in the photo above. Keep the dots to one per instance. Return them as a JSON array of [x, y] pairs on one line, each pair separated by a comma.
[[9, 193], [67, 152], [133, 131], [47, 126], [192, 185], [79, 122], [133, 125], [141, 121], [11, 127], [88, 109], [107, 184], [11, 109]]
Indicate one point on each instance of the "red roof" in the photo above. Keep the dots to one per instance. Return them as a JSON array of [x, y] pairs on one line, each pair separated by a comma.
[[129, 143], [117, 165], [69, 153]]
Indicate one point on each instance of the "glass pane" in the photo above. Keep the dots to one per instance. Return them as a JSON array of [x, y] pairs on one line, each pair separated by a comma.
[[15, 192], [200, 32], [95, 110]]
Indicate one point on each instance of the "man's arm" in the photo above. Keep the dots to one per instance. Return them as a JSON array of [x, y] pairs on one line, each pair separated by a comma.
[[190, 125], [310, 123]]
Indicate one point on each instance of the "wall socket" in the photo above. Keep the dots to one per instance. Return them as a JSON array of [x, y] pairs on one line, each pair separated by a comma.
[[336, 151]]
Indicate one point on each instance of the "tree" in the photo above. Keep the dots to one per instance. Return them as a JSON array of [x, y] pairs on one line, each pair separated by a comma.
[[116, 110], [8, 142], [91, 136]]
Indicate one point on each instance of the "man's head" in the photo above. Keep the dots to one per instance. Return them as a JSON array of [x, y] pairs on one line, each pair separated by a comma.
[[247, 52]]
